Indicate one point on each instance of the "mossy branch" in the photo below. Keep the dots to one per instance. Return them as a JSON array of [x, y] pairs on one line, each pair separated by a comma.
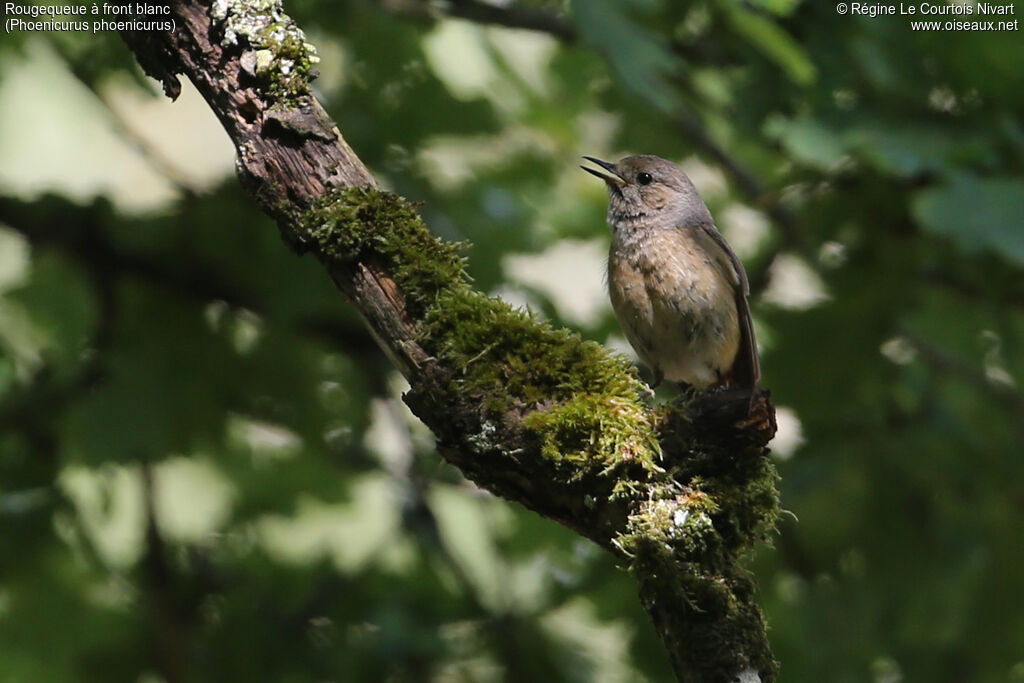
[[533, 413]]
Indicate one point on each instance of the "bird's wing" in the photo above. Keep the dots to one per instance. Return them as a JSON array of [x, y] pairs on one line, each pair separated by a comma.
[[727, 259], [747, 367]]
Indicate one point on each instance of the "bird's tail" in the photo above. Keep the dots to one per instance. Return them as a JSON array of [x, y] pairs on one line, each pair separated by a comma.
[[746, 369]]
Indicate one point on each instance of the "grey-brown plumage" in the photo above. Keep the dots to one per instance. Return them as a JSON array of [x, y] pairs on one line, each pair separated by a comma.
[[678, 290]]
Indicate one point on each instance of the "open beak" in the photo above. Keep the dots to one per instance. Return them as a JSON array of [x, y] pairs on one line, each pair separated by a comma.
[[613, 179]]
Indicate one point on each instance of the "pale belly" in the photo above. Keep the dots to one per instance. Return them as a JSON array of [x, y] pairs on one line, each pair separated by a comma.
[[678, 312]]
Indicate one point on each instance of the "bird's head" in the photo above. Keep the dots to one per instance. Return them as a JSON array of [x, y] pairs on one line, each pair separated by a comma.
[[651, 191]]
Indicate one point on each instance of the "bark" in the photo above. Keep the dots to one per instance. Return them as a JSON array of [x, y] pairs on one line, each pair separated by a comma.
[[679, 494]]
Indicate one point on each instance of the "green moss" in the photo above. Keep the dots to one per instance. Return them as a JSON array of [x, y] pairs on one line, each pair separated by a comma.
[[748, 500], [684, 541], [691, 581], [719, 459], [363, 225], [583, 403], [279, 54], [709, 521], [674, 522], [743, 485]]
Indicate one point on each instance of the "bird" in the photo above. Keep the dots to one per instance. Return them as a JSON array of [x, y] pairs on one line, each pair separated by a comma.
[[678, 290]]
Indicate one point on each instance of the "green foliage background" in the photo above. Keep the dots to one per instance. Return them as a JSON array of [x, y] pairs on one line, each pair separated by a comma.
[[204, 471]]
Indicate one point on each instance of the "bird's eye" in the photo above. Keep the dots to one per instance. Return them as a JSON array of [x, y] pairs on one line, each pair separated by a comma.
[[644, 178]]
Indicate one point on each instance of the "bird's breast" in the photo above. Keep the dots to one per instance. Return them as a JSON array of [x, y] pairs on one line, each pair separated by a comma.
[[676, 306]]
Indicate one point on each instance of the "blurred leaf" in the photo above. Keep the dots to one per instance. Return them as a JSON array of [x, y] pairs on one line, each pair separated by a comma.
[[61, 312], [93, 57], [774, 42], [808, 139], [640, 60], [977, 213], [908, 150], [165, 383], [780, 7]]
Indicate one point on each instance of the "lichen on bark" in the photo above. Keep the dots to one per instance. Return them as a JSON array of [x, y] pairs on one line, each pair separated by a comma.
[[277, 50]]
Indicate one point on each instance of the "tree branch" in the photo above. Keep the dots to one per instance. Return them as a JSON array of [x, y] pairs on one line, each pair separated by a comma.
[[531, 413]]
